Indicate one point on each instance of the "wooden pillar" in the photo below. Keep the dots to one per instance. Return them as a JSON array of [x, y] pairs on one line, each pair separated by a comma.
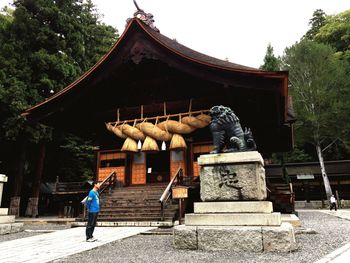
[[18, 180], [33, 201]]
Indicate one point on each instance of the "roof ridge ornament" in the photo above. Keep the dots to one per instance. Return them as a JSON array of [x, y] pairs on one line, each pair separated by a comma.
[[146, 18]]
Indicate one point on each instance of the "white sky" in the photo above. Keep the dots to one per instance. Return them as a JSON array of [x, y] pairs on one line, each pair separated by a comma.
[[238, 30]]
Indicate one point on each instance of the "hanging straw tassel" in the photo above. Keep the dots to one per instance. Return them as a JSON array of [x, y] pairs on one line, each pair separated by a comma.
[[150, 145], [129, 145], [177, 142]]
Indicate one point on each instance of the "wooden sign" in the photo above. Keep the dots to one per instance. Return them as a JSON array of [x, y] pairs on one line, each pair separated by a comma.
[[179, 192]]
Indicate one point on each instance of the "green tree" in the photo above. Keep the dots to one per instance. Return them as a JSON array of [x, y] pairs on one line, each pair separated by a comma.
[[44, 46], [316, 22], [336, 32], [320, 90], [271, 63]]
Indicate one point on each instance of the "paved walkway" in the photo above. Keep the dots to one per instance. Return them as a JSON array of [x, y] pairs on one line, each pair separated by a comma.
[[342, 213], [62, 243], [340, 255]]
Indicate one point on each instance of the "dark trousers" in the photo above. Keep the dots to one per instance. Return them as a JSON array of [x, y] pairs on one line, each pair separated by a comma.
[[90, 227], [334, 205]]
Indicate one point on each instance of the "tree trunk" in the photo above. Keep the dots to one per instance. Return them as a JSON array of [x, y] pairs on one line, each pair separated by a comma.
[[326, 183], [33, 202], [18, 180]]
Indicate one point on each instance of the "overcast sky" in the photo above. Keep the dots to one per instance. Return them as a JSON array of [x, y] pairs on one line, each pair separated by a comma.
[[238, 30]]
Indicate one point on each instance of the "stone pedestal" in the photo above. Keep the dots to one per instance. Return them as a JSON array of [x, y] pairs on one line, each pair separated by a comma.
[[233, 214], [7, 222], [232, 176]]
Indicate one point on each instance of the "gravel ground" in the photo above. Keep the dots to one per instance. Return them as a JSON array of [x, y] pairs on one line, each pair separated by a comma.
[[331, 233], [30, 230]]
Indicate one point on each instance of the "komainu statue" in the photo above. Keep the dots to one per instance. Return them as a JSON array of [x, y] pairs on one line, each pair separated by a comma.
[[227, 131]]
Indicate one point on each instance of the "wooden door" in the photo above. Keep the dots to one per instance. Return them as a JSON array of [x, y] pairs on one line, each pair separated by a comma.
[[138, 170], [177, 160]]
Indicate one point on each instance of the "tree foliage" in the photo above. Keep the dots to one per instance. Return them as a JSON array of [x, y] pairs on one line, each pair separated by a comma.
[[320, 89], [271, 63], [316, 22], [44, 46], [336, 32]]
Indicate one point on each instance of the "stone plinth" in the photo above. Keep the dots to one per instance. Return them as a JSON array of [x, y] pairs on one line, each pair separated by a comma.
[[232, 176], [7, 219], [233, 219], [4, 211], [10, 228], [233, 215], [233, 207], [185, 237], [236, 238]]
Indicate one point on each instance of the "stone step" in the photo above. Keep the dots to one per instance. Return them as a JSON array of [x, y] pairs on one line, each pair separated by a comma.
[[136, 203], [239, 219], [10, 228], [129, 199], [132, 218], [136, 209], [162, 224], [233, 207], [4, 211], [131, 192], [7, 219]]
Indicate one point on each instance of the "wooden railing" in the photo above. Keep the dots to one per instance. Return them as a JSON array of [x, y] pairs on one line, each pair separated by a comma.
[[70, 188], [177, 179], [109, 183]]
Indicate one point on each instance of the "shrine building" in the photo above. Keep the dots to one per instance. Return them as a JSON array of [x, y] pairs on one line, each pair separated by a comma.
[[145, 106]]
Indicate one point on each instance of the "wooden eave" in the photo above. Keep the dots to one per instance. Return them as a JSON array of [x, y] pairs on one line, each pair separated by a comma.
[[117, 81], [41, 109]]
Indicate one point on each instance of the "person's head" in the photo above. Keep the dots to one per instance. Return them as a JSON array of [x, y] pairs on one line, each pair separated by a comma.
[[97, 185]]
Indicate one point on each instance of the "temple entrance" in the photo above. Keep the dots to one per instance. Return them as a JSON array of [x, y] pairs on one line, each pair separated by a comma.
[[158, 167]]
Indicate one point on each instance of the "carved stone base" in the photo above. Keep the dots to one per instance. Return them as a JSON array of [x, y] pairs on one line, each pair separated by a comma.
[[10, 228], [232, 176], [236, 238], [15, 206]]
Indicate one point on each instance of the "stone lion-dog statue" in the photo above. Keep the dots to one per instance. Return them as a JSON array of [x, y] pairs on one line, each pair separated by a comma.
[[227, 131]]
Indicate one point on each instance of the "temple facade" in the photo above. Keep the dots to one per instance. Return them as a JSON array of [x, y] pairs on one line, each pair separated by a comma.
[[145, 106]]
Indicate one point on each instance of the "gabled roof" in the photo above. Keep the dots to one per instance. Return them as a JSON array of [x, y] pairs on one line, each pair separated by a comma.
[[145, 67], [173, 46]]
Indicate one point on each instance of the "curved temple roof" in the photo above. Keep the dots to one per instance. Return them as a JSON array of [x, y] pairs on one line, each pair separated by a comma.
[[179, 50], [113, 77]]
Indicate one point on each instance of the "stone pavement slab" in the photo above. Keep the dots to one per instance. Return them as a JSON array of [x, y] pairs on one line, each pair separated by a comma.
[[341, 213], [341, 255], [62, 243]]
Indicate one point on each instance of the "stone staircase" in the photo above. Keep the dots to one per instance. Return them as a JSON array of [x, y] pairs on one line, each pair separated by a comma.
[[135, 204], [281, 196]]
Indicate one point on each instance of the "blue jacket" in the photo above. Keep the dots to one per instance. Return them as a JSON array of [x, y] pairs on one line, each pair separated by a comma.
[[93, 202]]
